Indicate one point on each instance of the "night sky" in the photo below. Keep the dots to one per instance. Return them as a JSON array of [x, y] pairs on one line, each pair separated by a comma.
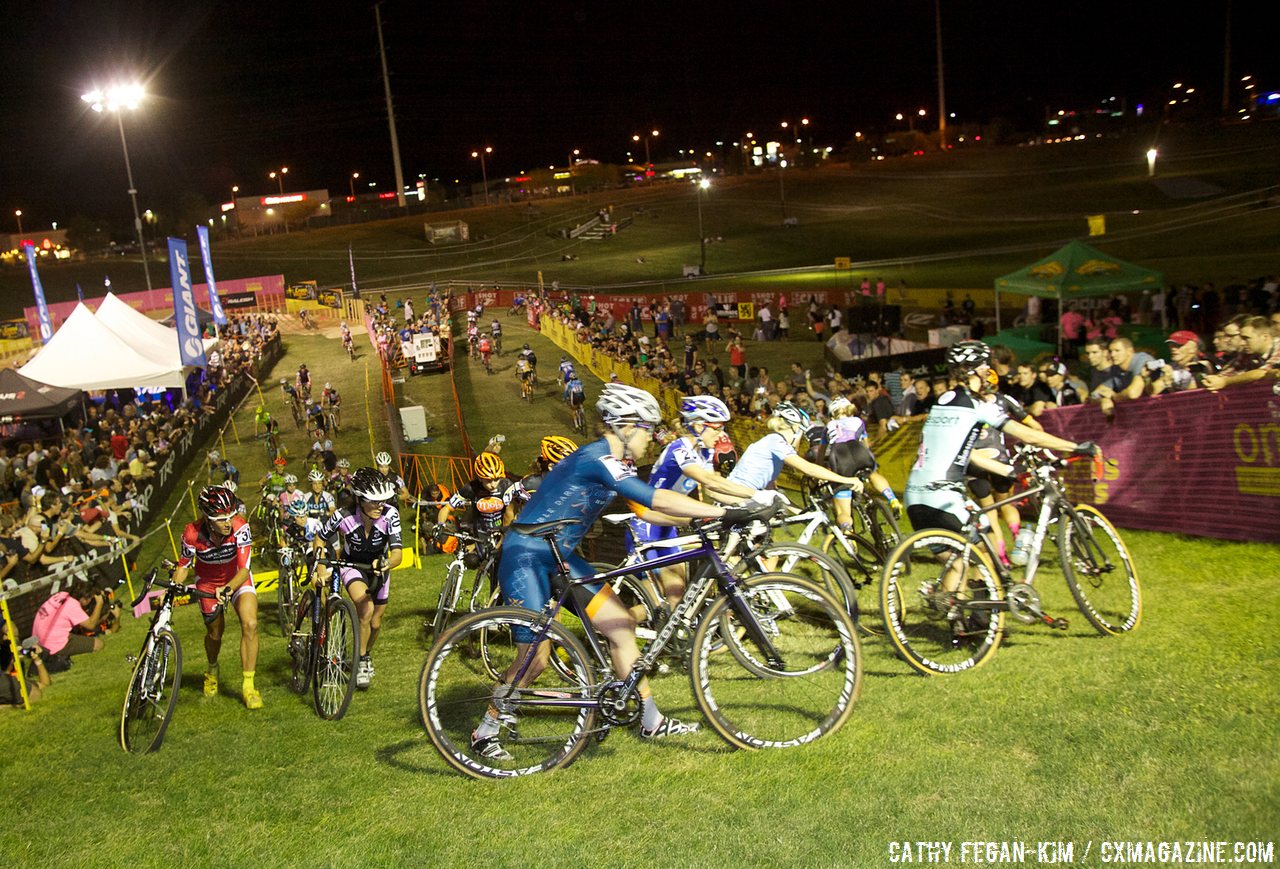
[[237, 89]]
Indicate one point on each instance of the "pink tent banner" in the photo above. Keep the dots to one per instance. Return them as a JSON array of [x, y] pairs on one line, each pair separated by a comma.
[[1197, 462]]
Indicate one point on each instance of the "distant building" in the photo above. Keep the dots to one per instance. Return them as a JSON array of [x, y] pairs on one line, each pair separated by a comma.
[[260, 215], [47, 242]]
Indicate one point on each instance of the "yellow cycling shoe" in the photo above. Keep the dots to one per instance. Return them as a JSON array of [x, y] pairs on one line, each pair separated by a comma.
[[252, 698], [211, 684]]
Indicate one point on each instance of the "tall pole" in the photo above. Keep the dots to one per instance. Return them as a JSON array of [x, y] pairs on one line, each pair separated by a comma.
[[133, 195], [702, 236], [18, 214], [391, 113], [942, 93], [484, 177], [782, 190]]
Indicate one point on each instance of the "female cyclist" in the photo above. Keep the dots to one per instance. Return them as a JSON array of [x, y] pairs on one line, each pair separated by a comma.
[[848, 453], [762, 462]]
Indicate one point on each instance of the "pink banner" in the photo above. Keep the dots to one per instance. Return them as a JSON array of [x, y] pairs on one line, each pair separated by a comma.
[[1196, 462], [162, 299]]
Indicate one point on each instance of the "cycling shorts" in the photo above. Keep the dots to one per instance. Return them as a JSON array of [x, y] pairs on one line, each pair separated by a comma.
[[525, 573], [923, 516], [211, 608], [647, 533], [526, 375], [379, 588], [577, 399]]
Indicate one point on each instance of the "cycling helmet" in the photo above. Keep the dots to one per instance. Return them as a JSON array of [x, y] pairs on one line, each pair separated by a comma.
[[344, 463], [838, 404], [215, 456], [316, 475], [308, 402], [297, 507], [562, 358], [555, 448], [526, 347], [368, 485], [231, 486], [284, 381], [281, 461], [489, 467], [216, 502], [968, 355], [620, 403], [704, 408], [382, 458], [328, 386], [792, 414], [290, 479]]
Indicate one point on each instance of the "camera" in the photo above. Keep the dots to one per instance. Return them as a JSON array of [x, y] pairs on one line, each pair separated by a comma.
[[1155, 366]]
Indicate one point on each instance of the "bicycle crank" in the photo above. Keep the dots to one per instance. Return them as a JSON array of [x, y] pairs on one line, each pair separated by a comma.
[[1024, 603], [619, 705]]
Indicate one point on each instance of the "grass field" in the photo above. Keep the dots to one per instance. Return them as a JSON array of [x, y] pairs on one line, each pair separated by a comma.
[[1170, 733]]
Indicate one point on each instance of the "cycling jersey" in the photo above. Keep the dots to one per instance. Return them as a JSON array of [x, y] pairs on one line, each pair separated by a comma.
[[485, 346], [523, 368], [274, 484], [347, 527], [289, 496], [575, 392], [950, 431], [319, 504], [762, 461], [215, 562], [304, 533], [669, 473], [566, 371], [495, 328], [846, 428], [580, 487], [486, 506], [530, 357]]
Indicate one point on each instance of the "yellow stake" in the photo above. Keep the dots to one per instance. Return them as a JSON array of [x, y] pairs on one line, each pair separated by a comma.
[[13, 647], [168, 526]]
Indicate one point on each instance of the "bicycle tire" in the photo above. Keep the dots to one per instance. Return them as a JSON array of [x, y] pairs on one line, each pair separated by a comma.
[[935, 632], [336, 660], [455, 690], [448, 601], [1113, 606], [302, 649], [287, 595], [811, 564], [809, 690], [152, 694]]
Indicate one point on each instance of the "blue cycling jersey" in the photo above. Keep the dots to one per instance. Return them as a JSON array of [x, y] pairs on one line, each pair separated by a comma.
[[668, 473]]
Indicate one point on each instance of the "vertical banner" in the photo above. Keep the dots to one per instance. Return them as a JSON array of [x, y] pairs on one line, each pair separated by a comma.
[[215, 303], [184, 305], [79, 293], [355, 291], [46, 325]]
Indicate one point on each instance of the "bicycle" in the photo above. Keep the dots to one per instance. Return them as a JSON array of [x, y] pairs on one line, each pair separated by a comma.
[[288, 586], [526, 387], [579, 418], [488, 363], [349, 345], [152, 694], [792, 675], [496, 338], [324, 645], [944, 594], [483, 561], [299, 416], [333, 418]]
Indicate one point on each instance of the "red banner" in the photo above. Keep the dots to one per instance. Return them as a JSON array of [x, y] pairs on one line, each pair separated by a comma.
[[1196, 462]]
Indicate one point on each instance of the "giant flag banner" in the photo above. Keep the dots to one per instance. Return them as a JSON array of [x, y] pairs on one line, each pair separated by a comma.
[[46, 326], [215, 303], [184, 305]]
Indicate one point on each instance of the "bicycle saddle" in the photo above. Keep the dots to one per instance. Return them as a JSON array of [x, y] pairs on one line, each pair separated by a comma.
[[542, 529]]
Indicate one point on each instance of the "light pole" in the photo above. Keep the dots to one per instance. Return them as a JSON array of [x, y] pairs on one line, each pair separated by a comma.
[[116, 99], [18, 214], [355, 176], [782, 190], [484, 176], [278, 177], [648, 161], [235, 189], [702, 186], [573, 187]]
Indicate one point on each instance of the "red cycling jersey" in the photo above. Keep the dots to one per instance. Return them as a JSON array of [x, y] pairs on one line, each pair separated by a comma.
[[216, 561]]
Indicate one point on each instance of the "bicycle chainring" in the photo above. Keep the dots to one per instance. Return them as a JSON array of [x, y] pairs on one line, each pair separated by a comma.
[[619, 706], [1024, 603]]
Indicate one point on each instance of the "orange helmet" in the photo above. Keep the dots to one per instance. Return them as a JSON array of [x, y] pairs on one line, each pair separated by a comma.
[[489, 467], [556, 448]]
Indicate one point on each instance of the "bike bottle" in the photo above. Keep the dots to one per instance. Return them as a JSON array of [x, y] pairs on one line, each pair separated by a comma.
[[1022, 544]]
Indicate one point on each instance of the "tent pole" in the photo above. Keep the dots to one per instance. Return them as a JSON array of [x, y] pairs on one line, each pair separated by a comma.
[[1060, 324]]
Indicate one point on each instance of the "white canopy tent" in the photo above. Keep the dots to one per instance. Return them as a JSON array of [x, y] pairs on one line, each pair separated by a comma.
[[85, 354], [149, 337]]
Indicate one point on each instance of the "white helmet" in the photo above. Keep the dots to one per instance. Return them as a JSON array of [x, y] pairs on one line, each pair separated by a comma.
[[369, 485], [838, 404], [290, 478], [792, 414], [382, 458], [231, 486], [620, 403], [344, 463], [316, 475], [703, 408], [215, 456]]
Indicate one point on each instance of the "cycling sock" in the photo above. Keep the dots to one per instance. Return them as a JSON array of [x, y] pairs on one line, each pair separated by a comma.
[[650, 717], [1014, 528], [887, 491], [1000, 549], [489, 725], [248, 680]]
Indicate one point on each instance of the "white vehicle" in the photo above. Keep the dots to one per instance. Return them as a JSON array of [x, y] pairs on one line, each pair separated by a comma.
[[424, 353]]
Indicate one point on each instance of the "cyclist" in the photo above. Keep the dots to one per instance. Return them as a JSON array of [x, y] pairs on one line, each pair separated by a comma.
[[575, 395], [524, 371], [581, 487], [319, 503], [527, 354], [217, 547], [488, 498], [935, 491], [473, 339], [332, 402], [303, 382], [340, 479], [683, 466], [315, 416], [291, 493], [301, 529], [761, 462], [220, 467], [348, 343], [848, 453], [383, 463], [552, 449], [346, 331], [486, 348], [274, 482], [495, 333], [566, 370], [368, 533]]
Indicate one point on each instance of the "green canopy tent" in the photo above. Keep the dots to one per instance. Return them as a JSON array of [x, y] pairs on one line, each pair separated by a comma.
[[1073, 272]]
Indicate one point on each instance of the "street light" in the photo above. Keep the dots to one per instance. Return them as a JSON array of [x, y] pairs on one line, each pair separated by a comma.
[[573, 187], [278, 177], [648, 162], [702, 186], [483, 174], [355, 176], [116, 99], [18, 214]]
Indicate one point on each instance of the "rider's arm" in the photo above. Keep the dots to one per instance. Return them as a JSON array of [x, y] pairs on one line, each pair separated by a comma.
[[713, 483], [1037, 438], [796, 462]]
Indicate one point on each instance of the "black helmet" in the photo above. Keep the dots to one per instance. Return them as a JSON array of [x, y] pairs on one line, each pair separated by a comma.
[[526, 346]]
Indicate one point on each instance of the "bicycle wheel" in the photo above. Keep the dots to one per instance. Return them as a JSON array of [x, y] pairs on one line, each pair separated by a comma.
[[455, 691], [934, 630], [793, 681], [448, 602], [1099, 571], [810, 564], [287, 595], [875, 530], [302, 649], [152, 694], [335, 678]]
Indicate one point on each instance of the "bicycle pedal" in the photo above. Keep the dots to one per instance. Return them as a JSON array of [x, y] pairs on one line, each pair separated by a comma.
[[1059, 624]]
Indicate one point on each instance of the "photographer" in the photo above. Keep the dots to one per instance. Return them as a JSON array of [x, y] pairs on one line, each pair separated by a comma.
[[1189, 367], [59, 616], [10, 690]]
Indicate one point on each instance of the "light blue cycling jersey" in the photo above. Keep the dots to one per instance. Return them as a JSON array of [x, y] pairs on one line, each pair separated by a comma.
[[937, 478], [761, 463]]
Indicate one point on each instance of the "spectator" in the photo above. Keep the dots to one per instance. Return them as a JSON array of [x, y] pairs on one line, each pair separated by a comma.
[[784, 325], [738, 357], [10, 690], [1130, 374], [1072, 326], [1062, 393], [1027, 389], [1261, 357], [1189, 367], [59, 617], [1101, 373]]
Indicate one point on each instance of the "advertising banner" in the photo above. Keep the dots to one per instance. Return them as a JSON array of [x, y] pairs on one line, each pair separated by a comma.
[[330, 298], [185, 318], [46, 325], [215, 304], [12, 329], [302, 291], [239, 300]]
